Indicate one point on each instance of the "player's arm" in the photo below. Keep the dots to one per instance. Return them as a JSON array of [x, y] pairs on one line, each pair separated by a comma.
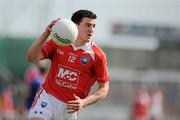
[[34, 53], [99, 94]]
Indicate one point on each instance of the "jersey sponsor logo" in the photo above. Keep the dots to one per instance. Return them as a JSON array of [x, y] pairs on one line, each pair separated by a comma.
[[66, 84], [84, 60], [67, 77], [67, 74]]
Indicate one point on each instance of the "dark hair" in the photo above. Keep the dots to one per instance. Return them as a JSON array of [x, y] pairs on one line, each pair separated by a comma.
[[80, 14]]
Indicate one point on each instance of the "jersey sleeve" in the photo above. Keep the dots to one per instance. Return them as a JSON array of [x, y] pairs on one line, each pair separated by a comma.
[[101, 71], [48, 49]]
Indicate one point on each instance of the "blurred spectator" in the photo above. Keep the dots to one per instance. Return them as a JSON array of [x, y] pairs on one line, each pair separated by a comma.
[[34, 77], [42, 65], [1, 105], [141, 105], [157, 105], [8, 111]]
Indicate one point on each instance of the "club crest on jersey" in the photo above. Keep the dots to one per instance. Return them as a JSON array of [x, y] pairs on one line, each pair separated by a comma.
[[84, 60]]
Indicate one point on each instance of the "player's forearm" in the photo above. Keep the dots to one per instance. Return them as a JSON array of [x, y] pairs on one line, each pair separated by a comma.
[[96, 96], [33, 54]]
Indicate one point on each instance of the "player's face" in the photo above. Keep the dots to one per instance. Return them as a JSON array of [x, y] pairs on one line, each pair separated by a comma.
[[86, 29]]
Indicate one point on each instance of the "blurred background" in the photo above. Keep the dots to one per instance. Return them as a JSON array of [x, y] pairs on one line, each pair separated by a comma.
[[141, 39]]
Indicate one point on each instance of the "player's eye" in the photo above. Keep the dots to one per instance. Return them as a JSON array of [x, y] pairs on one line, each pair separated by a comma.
[[88, 24]]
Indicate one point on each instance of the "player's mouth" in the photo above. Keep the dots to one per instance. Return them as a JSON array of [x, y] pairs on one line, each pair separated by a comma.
[[89, 35]]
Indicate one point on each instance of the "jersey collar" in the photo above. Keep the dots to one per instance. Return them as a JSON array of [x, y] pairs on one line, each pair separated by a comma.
[[87, 48]]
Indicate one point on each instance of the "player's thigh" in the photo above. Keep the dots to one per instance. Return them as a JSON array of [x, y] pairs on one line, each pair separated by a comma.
[[35, 118], [60, 110], [65, 115], [41, 108], [70, 116]]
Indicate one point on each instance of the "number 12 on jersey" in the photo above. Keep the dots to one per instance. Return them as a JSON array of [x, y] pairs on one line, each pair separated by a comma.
[[71, 59]]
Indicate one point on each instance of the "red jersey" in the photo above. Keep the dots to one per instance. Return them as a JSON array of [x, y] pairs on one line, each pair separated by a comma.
[[142, 107], [73, 69]]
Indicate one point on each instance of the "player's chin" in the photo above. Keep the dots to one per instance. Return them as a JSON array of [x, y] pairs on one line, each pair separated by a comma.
[[88, 39]]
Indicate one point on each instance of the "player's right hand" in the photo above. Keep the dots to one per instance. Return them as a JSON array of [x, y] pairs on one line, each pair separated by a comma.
[[48, 28]]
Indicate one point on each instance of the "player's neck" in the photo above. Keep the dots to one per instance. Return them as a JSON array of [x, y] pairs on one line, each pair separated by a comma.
[[79, 43]]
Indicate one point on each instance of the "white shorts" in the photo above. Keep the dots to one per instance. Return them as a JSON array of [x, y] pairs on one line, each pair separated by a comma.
[[48, 107]]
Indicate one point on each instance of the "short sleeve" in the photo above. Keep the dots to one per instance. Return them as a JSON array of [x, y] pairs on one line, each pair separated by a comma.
[[101, 71], [48, 49]]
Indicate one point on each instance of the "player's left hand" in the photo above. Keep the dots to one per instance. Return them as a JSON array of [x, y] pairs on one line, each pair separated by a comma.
[[75, 105]]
